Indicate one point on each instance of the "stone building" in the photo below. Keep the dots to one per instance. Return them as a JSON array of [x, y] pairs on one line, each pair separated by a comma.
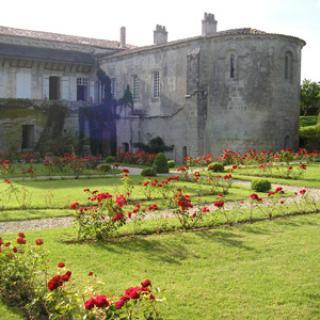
[[234, 89]]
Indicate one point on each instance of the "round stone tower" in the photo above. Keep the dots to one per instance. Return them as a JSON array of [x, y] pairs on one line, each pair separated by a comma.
[[252, 82]]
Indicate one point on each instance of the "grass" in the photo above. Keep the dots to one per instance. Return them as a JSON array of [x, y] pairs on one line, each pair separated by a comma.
[[311, 178], [58, 194], [267, 270]]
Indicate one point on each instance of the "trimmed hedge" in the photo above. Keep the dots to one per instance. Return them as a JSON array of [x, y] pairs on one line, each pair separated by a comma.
[[160, 163], [216, 167], [261, 185], [148, 172], [171, 163]]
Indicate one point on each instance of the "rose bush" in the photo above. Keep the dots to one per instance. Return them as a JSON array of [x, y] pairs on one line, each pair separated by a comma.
[[25, 282]]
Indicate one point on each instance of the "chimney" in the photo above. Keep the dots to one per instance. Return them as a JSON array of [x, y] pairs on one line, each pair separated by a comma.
[[123, 37], [160, 35], [209, 24]]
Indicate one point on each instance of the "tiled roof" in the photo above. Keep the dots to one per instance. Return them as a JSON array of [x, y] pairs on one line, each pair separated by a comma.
[[230, 32], [45, 54], [242, 31], [99, 43]]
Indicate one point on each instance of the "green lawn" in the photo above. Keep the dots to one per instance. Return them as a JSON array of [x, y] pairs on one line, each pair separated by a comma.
[[267, 270], [58, 194], [311, 178]]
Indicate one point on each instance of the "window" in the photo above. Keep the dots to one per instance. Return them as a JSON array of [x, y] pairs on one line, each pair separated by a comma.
[[27, 137], [156, 84], [82, 89], [232, 66], [54, 88], [136, 88], [23, 85], [288, 66], [113, 87]]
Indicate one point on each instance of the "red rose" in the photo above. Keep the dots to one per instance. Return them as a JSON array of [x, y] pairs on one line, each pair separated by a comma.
[[153, 207], [89, 304], [205, 209], [21, 235], [120, 303], [101, 301], [125, 170], [66, 277], [117, 217], [61, 265], [55, 283], [133, 293], [21, 241], [279, 190], [74, 205], [218, 204], [39, 242], [302, 191], [90, 274], [121, 200], [15, 250], [146, 283]]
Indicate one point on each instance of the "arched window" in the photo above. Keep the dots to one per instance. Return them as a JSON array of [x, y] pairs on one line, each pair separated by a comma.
[[288, 66], [232, 66]]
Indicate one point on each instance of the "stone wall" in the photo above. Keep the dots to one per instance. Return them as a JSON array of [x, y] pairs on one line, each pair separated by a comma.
[[258, 108], [201, 106]]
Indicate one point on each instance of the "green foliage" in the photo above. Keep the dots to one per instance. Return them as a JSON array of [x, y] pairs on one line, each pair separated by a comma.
[[216, 167], [310, 131], [171, 164], [155, 145], [306, 121], [261, 185], [104, 167], [160, 163], [148, 172], [127, 99], [310, 98], [109, 159]]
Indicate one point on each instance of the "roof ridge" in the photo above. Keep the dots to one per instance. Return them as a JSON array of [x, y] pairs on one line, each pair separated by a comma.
[[60, 37]]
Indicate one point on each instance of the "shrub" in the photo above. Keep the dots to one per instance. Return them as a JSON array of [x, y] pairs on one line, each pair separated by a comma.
[[171, 163], [27, 282], [104, 167], [216, 167], [109, 159], [261, 185], [160, 163], [148, 172]]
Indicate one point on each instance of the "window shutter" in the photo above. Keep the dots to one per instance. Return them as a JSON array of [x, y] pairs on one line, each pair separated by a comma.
[[65, 88], [45, 87], [91, 91], [73, 88], [23, 85], [1, 84]]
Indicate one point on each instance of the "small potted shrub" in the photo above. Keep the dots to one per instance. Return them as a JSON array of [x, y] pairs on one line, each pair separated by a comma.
[[216, 167], [261, 185], [171, 164], [148, 172], [103, 167], [160, 163]]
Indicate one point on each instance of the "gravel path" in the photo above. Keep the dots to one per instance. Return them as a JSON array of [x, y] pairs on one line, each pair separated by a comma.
[[48, 223]]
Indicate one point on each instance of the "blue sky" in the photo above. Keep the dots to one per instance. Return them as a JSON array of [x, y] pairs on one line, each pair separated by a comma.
[[103, 18]]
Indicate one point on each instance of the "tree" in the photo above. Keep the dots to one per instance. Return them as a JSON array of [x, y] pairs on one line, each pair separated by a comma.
[[310, 98]]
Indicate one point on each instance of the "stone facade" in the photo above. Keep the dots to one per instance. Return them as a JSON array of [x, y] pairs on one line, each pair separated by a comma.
[[234, 89]]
